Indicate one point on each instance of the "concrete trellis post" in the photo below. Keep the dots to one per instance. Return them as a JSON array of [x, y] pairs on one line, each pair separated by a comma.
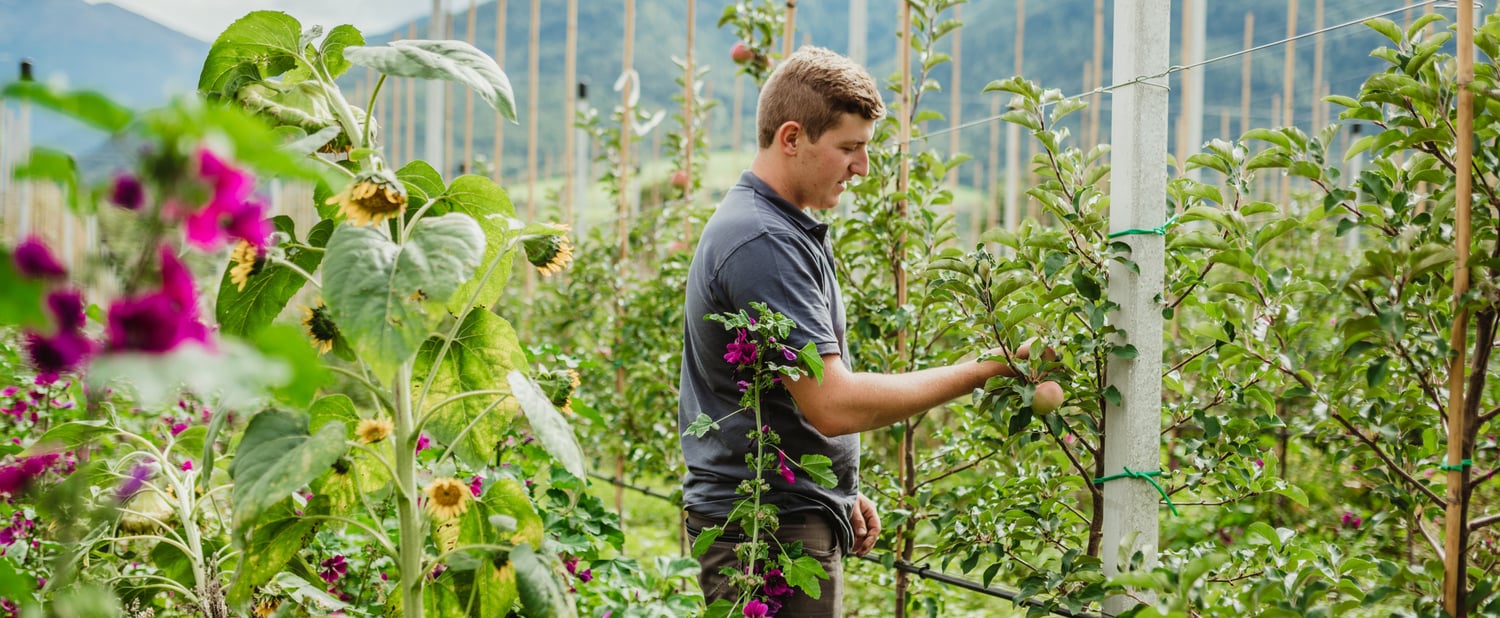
[[1013, 136], [1138, 131], [1194, 32]]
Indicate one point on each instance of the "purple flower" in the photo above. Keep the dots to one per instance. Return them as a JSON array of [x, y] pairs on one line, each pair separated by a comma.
[[333, 568], [786, 473], [133, 483], [58, 353], [35, 261], [1350, 520], [586, 576], [775, 585], [1260, 463], [230, 211], [789, 354], [756, 609], [423, 443], [148, 323], [67, 308], [127, 192], [744, 386], [741, 351], [187, 465], [10, 391], [476, 484], [177, 428]]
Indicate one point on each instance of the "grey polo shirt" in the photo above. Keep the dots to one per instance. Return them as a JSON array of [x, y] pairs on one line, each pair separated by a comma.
[[760, 247]]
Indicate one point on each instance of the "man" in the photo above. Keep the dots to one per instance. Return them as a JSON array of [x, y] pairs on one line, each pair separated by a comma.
[[815, 117]]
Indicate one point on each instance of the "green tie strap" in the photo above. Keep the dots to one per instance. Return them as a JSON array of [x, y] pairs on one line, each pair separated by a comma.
[[1467, 463], [1160, 230], [1145, 476]]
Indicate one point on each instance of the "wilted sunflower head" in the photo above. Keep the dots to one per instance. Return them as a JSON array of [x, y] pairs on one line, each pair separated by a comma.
[[372, 430], [559, 386], [549, 253], [372, 198], [247, 261], [265, 607], [447, 498], [320, 327]]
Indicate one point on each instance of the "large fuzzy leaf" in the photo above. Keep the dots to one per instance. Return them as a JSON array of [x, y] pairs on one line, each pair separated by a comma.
[[483, 351], [21, 305], [550, 427], [272, 544], [542, 596], [276, 457], [234, 375], [289, 345], [488, 204], [376, 288], [85, 106], [259, 45], [331, 50], [451, 60], [422, 183], [358, 473], [243, 312]]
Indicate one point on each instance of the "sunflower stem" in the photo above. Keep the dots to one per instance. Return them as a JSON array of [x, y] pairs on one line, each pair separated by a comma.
[[409, 543]]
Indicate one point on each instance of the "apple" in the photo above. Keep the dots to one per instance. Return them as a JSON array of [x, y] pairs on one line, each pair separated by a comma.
[[1048, 397], [741, 53], [680, 179]]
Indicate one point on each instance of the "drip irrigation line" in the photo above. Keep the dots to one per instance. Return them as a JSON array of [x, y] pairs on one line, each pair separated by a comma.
[[1146, 79], [927, 573], [920, 571]]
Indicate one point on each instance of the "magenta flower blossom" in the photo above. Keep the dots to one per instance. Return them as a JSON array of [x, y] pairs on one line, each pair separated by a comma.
[[127, 192], [585, 576], [1350, 520], [177, 428], [35, 261], [230, 211], [187, 465], [58, 353], [333, 568], [476, 485], [741, 351], [43, 379], [66, 306], [423, 443], [756, 609], [788, 354], [786, 472], [10, 391], [157, 322], [775, 585]]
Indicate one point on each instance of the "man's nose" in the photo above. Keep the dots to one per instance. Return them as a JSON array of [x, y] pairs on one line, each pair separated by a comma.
[[861, 165]]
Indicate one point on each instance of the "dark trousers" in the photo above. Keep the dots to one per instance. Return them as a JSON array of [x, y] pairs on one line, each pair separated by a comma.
[[818, 541]]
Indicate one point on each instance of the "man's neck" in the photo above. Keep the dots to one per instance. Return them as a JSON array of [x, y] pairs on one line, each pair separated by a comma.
[[773, 173]]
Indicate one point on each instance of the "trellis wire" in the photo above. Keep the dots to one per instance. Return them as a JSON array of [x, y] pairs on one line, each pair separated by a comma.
[[922, 571], [1146, 79]]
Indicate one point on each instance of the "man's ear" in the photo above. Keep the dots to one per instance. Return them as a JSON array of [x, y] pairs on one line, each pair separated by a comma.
[[786, 137]]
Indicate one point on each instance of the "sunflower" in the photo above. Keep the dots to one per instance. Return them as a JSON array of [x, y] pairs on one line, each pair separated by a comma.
[[320, 327], [248, 260], [559, 387], [265, 607], [447, 498], [372, 197], [549, 253], [372, 430]]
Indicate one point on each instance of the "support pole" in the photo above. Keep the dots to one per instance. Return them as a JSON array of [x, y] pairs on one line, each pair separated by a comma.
[[410, 123], [1138, 195], [501, 13], [956, 92], [1096, 101], [533, 70], [1194, 29], [788, 36], [570, 113], [436, 106], [1288, 100], [859, 25], [690, 79], [1013, 136], [468, 163], [1317, 77], [1456, 541], [1245, 74]]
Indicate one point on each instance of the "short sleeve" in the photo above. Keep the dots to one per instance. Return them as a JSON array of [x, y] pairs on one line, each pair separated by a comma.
[[785, 273]]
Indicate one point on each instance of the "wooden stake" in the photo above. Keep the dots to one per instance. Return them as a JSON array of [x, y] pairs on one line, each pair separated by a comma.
[[450, 103], [688, 92], [1317, 76], [411, 105], [1013, 160], [500, 41], [1288, 98], [1096, 100], [907, 474], [533, 88], [467, 166], [1245, 74], [622, 227], [788, 35], [1455, 563], [392, 129], [992, 189], [570, 111]]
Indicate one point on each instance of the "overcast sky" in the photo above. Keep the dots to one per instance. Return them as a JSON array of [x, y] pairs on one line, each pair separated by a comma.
[[205, 19]]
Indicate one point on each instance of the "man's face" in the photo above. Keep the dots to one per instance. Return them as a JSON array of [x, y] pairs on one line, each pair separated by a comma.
[[826, 165]]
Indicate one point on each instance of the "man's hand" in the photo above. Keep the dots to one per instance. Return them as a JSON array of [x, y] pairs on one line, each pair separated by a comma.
[[866, 525]]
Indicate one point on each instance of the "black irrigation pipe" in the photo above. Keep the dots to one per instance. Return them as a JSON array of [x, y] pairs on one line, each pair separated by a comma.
[[906, 567]]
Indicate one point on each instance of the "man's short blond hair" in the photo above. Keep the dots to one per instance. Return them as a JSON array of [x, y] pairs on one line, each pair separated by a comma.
[[814, 87]]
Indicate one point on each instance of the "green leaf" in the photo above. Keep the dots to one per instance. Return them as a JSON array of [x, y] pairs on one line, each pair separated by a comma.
[[551, 428], [705, 539], [333, 408], [542, 596], [483, 350], [1264, 531], [1085, 284], [52, 165], [451, 60], [819, 468], [21, 304], [803, 574], [508, 497], [1295, 493], [702, 425], [490, 206], [1124, 352], [308, 373], [331, 50], [276, 456], [272, 545], [234, 375], [423, 183], [258, 46], [375, 288], [811, 360], [70, 435], [91, 108]]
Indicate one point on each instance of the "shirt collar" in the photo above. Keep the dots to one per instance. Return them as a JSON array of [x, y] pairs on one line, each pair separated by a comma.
[[790, 211]]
